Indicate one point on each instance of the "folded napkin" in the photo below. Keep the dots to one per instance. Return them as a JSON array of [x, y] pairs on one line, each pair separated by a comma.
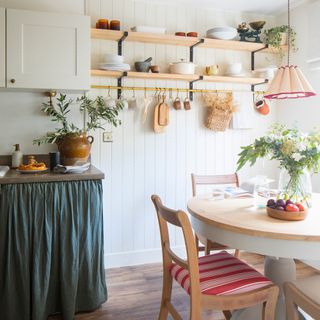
[[71, 169], [3, 170]]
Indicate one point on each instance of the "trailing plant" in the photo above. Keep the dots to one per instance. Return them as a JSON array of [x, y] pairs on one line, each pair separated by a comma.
[[97, 112], [273, 38]]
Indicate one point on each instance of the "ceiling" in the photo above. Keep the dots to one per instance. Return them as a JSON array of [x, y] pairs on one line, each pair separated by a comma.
[[272, 7]]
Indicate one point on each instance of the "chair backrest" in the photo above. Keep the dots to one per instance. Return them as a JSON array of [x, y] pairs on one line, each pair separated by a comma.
[[180, 219], [230, 179]]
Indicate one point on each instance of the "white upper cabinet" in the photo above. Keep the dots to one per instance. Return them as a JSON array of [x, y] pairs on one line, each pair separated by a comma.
[[2, 48], [47, 50]]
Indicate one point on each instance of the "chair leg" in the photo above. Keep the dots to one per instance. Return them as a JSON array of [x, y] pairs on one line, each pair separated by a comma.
[[207, 247], [291, 307], [237, 253], [269, 306], [166, 294], [227, 314], [195, 308]]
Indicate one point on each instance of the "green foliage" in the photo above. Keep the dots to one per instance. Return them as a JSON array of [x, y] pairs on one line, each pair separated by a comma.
[[273, 38], [294, 150], [98, 115]]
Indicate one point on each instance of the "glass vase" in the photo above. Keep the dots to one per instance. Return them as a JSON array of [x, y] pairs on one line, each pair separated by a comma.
[[296, 187]]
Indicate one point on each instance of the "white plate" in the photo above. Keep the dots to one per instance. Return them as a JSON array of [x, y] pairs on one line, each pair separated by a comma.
[[32, 171]]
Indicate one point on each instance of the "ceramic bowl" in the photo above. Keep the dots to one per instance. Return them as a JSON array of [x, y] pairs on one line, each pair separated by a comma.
[[222, 33], [113, 58], [234, 69]]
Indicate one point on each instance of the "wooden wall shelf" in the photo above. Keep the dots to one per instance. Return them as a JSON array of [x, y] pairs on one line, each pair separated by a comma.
[[177, 77], [158, 38]]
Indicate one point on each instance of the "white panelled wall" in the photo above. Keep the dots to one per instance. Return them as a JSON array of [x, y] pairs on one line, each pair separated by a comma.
[[139, 162]]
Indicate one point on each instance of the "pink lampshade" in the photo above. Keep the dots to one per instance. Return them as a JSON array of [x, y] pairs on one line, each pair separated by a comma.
[[289, 83]]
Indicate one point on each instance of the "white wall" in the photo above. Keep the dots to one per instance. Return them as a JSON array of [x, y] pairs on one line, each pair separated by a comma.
[[139, 163], [305, 113]]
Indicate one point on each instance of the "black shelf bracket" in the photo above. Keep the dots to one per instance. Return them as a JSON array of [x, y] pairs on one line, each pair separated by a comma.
[[193, 46], [257, 84], [253, 54], [120, 41], [119, 91], [191, 87]]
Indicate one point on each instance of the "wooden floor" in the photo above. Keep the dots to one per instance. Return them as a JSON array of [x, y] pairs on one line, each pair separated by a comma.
[[134, 292]]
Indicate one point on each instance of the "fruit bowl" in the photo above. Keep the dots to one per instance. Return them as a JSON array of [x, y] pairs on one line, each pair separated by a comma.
[[286, 210], [287, 215]]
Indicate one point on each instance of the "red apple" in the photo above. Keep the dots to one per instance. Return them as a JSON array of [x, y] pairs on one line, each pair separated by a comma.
[[300, 206], [292, 208]]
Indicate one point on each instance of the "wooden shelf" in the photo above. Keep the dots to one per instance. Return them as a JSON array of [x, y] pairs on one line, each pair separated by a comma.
[[177, 77], [158, 38]]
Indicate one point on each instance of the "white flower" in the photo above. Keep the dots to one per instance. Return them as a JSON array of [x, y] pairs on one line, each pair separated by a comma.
[[301, 146], [296, 156]]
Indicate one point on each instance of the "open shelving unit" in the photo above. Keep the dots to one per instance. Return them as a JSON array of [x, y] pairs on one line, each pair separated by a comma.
[[191, 42]]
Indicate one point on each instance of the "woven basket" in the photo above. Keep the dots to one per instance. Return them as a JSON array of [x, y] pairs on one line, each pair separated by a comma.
[[217, 119]]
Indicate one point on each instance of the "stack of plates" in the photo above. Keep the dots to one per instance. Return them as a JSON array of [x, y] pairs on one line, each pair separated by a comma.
[[114, 62], [222, 33]]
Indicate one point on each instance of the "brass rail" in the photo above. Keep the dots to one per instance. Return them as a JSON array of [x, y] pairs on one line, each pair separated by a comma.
[[172, 89]]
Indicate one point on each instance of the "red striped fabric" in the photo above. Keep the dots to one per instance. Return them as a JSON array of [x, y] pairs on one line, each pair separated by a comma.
[[222, 274]]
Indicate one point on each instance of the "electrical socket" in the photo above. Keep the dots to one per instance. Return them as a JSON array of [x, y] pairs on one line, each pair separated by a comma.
[[107, 136]]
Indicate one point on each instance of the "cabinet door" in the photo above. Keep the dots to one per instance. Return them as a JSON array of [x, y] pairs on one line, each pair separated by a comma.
[[47, 50], [2, 48]]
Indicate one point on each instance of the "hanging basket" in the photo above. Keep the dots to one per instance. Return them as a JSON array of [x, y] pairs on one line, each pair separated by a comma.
[[219, 111], [217, 120]]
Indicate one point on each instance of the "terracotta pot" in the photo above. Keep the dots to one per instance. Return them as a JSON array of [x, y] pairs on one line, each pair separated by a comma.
[[75, 149]]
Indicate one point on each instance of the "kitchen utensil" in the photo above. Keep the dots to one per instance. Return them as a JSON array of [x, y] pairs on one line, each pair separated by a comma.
[[154, 69], [222, 33], [143, 66], [133, 101], [103, 24], [182, 67], [148, 29], [115, 25], [212, 70], [147, 102], [156, 126], [163, 117], [181, 34], [233, 69], [192, 34], [262, 107], [286, 215], [177, 102], [186, 103]]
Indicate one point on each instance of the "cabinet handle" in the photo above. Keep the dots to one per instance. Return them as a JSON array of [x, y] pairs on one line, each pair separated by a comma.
[[12, 80]]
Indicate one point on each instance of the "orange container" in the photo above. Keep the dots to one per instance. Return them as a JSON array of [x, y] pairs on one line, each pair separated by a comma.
[[115, 25], [103, 24]]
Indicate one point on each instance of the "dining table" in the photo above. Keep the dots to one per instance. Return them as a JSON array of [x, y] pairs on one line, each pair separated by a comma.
[[238, 223]]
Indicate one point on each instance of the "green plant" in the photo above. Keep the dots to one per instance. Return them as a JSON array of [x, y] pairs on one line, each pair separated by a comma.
[[295, 150], [273, 38], [96, 112]]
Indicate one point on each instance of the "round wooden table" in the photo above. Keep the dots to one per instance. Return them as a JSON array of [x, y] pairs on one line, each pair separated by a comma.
[[238, 224]]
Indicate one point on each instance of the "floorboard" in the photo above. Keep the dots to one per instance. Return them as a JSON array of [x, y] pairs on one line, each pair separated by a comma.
[[134, 292]]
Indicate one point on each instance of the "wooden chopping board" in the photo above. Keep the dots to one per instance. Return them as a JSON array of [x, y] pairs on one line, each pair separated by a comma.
[[163, 114], [156, 126]]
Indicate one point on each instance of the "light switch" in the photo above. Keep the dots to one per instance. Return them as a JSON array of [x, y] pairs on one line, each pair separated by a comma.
[[107, 136]]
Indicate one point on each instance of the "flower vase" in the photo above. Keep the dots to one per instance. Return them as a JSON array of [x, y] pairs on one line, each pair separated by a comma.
[[295, 186]]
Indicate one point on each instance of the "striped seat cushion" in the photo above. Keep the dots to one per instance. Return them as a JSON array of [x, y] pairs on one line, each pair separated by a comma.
[[221, 274]]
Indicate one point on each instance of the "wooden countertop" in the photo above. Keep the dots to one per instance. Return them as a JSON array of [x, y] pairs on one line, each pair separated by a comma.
[[13, 176]]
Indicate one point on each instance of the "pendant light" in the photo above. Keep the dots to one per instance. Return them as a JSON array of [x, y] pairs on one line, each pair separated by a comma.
[[289, 81]]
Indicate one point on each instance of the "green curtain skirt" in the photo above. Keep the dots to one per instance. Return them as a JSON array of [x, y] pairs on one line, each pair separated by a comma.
[[51, 249]]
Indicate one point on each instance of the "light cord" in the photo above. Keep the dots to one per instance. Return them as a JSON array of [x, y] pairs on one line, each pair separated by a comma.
[[289, 33]]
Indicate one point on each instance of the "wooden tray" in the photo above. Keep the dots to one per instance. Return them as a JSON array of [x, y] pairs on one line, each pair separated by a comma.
[[287, 215]]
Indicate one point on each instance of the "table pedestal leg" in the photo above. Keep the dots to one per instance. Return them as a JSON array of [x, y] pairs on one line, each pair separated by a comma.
[[278, 270]]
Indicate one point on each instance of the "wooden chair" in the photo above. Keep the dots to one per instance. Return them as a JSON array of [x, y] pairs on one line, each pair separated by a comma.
[[219, 281], [303, 293], [228, 179]]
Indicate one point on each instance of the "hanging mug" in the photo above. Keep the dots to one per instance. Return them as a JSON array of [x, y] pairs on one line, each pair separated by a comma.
[[177, 103], [124, 103], [133, 101], [186, 103], [262, 107]]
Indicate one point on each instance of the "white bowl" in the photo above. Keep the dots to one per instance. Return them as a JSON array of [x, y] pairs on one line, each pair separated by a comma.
[[113, 58], [222, 33]]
